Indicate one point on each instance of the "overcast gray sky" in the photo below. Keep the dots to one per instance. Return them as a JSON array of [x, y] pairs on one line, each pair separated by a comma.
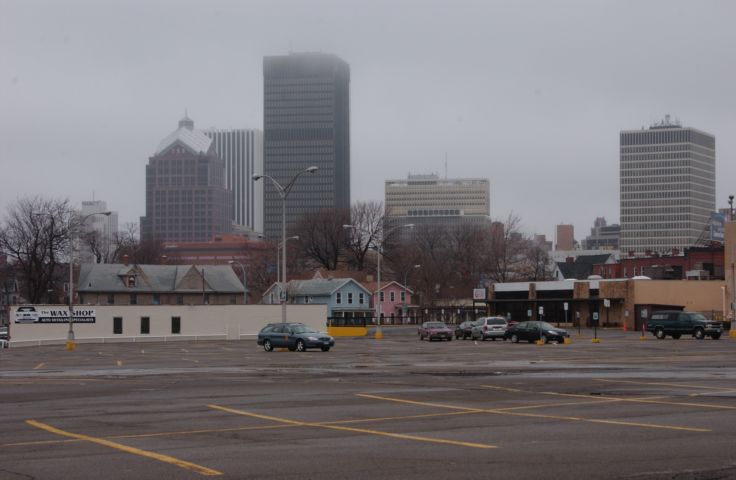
[[530, 94]]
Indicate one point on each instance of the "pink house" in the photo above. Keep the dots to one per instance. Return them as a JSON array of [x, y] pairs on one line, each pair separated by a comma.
[[393, 296]]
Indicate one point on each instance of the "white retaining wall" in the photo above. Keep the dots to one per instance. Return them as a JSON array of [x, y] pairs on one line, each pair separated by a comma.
[[198, 322]]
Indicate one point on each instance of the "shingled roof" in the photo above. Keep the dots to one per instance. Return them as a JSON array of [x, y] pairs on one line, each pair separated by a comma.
[[582, 267], [113, 278]]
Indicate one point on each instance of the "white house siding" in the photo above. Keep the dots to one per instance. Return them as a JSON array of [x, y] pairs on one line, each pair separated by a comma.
[[198, 322]]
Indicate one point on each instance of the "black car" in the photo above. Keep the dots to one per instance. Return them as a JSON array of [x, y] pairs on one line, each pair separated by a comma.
[[535, 330], [294, 336], [464, 329], [677, 323]]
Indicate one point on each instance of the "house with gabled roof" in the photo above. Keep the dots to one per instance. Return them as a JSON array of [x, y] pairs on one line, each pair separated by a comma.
[[344, 297], [121, 284]]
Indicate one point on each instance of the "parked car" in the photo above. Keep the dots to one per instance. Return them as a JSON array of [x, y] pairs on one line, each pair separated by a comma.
[[676, 324], [294, 336], [535, 330], [432, 330], [4, 334], [489, 327], [4, 343], [464, 330]]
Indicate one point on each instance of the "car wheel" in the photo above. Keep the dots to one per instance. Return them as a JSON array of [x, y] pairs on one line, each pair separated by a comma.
[[458, 336], [267, 346], [676, 336], [544, 338], [659, 333], [421, 337], [300, 346], [325, 349], [715, 336], [699, 333], [449, 339], [493, 338], [515, 338]]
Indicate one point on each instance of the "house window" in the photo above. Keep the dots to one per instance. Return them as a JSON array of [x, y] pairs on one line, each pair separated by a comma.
[[271, 299], [134, 299], [392, 296], [350, 298], [206, 298], [380, 296], [175, 325], [232, 300], [117, 325], [145, 325], [361, 298], [157, 299], [110, 299], [338, 298], [180, 299], [131, 281], [403, 296]]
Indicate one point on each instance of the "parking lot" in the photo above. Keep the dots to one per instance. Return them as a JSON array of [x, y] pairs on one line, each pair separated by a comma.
[[394, 408]]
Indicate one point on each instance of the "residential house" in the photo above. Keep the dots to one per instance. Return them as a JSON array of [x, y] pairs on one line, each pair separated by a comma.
[[344, 297]]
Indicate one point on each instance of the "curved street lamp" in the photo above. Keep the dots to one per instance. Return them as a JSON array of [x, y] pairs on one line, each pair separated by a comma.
[[74, 229], [378, 245], [245, 285], [283, 192]]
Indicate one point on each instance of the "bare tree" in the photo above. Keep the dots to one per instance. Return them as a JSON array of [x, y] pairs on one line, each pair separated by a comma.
[[127, 242], [35, 236], [507, 248], [367, 220], [322, 236]]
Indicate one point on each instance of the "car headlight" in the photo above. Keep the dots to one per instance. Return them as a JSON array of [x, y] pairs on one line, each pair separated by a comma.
[[312, 339], [553, 332]]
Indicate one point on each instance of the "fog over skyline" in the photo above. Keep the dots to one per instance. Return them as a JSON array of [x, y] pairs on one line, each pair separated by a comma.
[[529, 94]]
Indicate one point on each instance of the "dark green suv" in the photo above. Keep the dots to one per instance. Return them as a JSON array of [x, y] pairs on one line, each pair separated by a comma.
[[676, 324]]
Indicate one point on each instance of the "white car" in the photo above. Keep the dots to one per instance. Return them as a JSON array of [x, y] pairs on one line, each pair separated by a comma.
[[26, 315], [489, 327]]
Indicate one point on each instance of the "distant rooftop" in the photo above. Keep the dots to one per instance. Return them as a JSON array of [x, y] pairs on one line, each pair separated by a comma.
[[193, 139]]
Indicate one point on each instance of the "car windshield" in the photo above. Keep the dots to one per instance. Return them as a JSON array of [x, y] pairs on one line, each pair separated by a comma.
[[436, 325], [302, 329], [700, 317]]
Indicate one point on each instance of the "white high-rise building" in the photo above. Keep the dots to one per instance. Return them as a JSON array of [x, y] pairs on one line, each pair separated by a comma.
[[668, 175], [242, 152], [104, 228], [431, 200]]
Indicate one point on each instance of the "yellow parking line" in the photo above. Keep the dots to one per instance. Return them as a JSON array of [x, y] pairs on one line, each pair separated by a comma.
[[132, 450], [537, 415], [352, 429], [235, 429], [679, 385], [39, 366]]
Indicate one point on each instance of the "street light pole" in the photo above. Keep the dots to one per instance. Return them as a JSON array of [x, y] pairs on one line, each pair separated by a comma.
[[406, 289], [245, 285], [70, 341], [378, 246], [283, 192]]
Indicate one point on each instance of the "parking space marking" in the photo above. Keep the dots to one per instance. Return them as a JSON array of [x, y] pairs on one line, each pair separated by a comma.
[[124, 448], [654, 400], [539, 415], [678, 385], [353, 429], [40, 365]]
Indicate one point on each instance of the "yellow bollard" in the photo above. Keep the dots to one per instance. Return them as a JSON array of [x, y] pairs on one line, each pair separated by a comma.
[[596, 340], [567, 341], [70, 345], [379, 334], [540, 342], [732, 334]]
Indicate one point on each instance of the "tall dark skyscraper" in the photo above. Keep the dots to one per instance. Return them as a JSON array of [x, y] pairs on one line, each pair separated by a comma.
[[306, 121], [186, 198]]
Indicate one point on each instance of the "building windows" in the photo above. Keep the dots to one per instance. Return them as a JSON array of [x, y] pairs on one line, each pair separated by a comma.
[[145, 325], [232, 300], [131, 281], [175, 325], [156, 299], [361, 298], [117, 325], [111, 299], [350, 298], [403, 296], [338, 298], [180, 299], [380, 296], [392, 296], [134, 299]]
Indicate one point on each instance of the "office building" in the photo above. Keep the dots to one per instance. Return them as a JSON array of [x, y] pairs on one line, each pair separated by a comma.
[[242, 152], [306, 122], [186, 198], [565, 237], [431, 200], [98, 232], [602, 236], [667, 186]]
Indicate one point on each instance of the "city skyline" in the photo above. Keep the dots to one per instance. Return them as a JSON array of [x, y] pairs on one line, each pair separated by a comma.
[[531, 98]]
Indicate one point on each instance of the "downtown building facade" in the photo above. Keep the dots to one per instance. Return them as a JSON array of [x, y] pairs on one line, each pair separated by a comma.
[[306, 122], [186, 196], [667, 187], [242, 152], [434, 201]]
